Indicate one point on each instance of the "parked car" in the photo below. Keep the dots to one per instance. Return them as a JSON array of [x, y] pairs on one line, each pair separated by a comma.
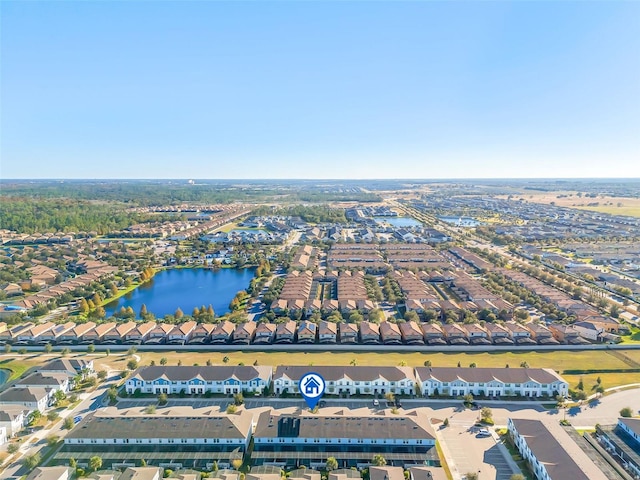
[[376, 402], [483, 433]]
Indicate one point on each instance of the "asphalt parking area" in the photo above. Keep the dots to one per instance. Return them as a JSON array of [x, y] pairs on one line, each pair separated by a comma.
[[471, 454]]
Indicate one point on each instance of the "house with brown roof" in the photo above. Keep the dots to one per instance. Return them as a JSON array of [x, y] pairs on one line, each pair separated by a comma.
[[30, 336], [158, 335], [244, 333], [433, 333], [519, 333], [411, 333], [541, 334], [499, 335], [180, 334], [265, 333], [118, 334], [348, 332], [285, 332], [73, 335], [455, 334], [390, 333], [139, 334], [566, 334], [202, 333], [369, 333], [477, 334], [327, 332], [222, 332], [307, 332], [96, 335], [53, 336]]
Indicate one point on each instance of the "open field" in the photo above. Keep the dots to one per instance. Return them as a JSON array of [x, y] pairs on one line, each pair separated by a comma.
[[556, 360], [559, 361], [18, 364], [606, 204]]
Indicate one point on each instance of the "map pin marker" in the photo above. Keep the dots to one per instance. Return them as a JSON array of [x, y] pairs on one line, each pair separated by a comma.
[[311, 387]]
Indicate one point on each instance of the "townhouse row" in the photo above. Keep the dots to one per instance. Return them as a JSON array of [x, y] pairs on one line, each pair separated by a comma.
[[349, 380], [306, 332], [187, 437]]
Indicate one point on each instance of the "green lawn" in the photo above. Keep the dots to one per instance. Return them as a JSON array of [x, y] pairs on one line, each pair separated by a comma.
[[20, 364]]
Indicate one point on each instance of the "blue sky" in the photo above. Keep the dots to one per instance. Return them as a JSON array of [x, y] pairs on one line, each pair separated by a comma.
[[143, 89]]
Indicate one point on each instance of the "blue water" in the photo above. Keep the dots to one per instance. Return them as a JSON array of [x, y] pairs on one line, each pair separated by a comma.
[[398, 221], [4, 374], [186, 288]]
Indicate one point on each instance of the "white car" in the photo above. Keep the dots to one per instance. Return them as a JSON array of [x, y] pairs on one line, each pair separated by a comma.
[[375, 402], [483, 433]]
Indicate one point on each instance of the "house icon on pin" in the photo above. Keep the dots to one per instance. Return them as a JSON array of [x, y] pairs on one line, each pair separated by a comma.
[[311, 386]]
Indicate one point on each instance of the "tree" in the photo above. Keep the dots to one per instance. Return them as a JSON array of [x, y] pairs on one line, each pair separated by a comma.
[[626, 412], [52, 440], [68, 423], [427, 363], [7, 348], [446, 422], [468, 398], [150, 409], [332, 464], [34, 417], [53, 415], [95, 463], [486, 415], [132, 364], [236, 463], [143, 311], [163, 361], [231, 408], [91, 348], [471, 476], [48, 348], [112, 394], [238, 399], [524, 365], [102, 374], [163, 399], [378, 460], [225, 359], [13, 448], [31, 461], [517, 476], [178, 313]]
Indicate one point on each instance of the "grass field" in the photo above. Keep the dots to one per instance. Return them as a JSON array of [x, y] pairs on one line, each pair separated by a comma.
[[560, 360], [606, 204], [19, 364], [614, 210]]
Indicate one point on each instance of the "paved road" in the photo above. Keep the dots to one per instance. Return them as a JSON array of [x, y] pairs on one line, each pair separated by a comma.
[[37, 441]]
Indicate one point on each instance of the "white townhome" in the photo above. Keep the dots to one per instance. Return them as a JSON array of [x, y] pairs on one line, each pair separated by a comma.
[[492, 382], [199, 380], [350, 380], [550, 452]]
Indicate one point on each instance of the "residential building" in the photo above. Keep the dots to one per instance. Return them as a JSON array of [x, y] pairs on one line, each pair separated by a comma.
[[623, 439], [349, 380], [244, 333], [31, 398], [13, 419], [51, 473], [552, 455], [327, 332], [200, 380], [491, 382], [288, 440], [307, 332], [182, 436]]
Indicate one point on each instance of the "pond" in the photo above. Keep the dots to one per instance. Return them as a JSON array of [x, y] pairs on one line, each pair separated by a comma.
[[4, 375], [186, 288], [398, 221]]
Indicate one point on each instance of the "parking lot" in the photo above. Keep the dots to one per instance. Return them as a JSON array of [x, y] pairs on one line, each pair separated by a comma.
[[472, 454]]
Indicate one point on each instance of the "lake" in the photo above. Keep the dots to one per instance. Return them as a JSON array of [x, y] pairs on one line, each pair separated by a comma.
[[186, 288], [398, 221], [4, 375]]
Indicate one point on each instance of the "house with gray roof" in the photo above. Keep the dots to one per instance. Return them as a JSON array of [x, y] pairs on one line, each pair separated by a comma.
[[492, 382], [220, 379], [183, 436], [349, 380], [288, 440], [552, 455]]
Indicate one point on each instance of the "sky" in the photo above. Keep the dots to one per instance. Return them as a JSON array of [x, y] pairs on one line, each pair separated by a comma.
[[311, 89]]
